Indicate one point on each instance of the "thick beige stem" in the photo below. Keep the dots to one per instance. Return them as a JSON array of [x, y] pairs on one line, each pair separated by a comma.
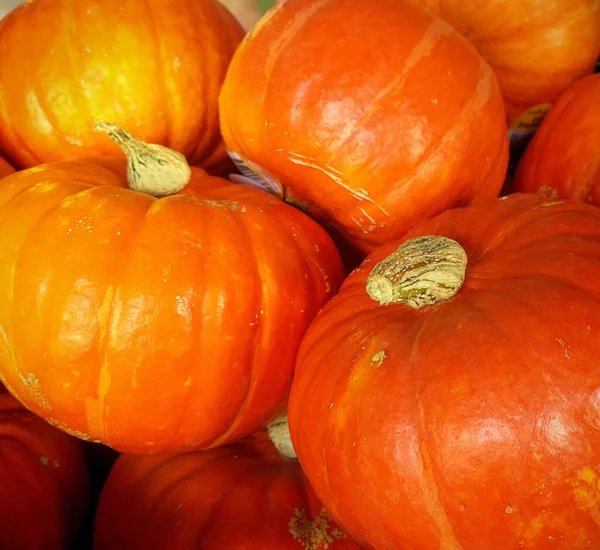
[[152, 169], [279, 433], [422, 272]]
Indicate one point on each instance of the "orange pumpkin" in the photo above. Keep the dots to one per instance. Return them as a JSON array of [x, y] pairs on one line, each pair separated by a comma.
[[240, 496], [449, 395], [155, 68], [5, 168], [537, 48], [563, 159], [154, 324], [43, 483], [371, 119]]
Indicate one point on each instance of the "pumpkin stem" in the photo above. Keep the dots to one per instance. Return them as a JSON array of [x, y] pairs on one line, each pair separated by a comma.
[[152, 169], [423, 272], [279, 433]]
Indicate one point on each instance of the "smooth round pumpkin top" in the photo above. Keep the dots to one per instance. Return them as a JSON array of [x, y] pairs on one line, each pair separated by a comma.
[[369, 116], [537, 48], [154, 324], [563, 158], [155, 68], [474, 417]]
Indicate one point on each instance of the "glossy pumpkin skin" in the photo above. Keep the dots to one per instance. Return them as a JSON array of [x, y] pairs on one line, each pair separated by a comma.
[[372, 119], [537, 48], [154, 325], [44, 481], [154, 68], [563, 159], [242, 496], [477, 422]]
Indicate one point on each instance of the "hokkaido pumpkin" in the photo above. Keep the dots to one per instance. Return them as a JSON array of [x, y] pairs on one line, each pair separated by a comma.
[[155, 68], [449, 395], [537, 48], [240, 496], [563, 159], [370, 119], [43, 482], [153, 324]]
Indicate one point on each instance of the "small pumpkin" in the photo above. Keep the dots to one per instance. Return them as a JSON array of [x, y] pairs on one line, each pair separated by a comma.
[[370, 120], [44, 492], [155, 68], [563, 159], [453, 382], [537, 48], [244, 496], [155, 318]]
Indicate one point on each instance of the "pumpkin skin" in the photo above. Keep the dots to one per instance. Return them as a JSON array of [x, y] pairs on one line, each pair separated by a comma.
[[243, 496], [154, 68], [44, 497], [5, 168], [563, 158], [476, 421], [368, 144], [154, 325], [537, 48]]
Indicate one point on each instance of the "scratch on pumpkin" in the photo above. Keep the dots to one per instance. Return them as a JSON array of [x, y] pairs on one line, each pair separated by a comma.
[[586, 490]]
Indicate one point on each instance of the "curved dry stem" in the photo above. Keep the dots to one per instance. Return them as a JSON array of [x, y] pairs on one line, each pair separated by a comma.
[[423, 272], [152, 169]]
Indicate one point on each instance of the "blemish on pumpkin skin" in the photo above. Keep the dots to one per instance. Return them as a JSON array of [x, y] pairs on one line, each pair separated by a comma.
[[31, 385], [44, 460], [379, 358], [586, 490], [315, 534]]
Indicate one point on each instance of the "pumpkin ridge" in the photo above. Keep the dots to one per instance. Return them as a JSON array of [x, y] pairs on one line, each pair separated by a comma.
[[431, 36], [161, 76], [426, 476], [110, 324]]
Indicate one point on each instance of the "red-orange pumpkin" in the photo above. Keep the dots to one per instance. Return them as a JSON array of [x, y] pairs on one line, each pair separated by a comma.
[[242, 496], [537, 48], [155, 68], [369, 117], [472, 422], [154, 324], [5, 168], [43, 482], [563, 159]]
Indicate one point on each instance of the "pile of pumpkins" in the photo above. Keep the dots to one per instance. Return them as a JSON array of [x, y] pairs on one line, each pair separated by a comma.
[[333, 283]]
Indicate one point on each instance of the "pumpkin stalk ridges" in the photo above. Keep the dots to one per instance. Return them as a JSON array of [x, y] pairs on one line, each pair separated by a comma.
[[279, 433], [152, 169], [423, 272]]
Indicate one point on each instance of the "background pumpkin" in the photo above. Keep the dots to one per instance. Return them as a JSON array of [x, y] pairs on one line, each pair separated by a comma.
[[370, 119], [242, 496], [537, 48], [154, 325], [5, 168], [43, 481], [155, 68], [475, 420], [563, 159]]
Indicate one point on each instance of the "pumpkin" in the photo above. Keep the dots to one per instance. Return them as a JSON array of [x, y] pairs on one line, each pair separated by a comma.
[[155, 68], [370, 120], [5, 168], [563, 159], [43, 480], [244, 496], [449, 395], [157, 318], [537, 48]]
